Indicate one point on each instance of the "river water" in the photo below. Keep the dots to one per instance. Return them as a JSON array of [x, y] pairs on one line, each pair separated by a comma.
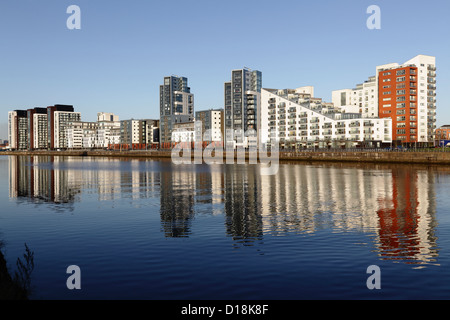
[[150, 229]]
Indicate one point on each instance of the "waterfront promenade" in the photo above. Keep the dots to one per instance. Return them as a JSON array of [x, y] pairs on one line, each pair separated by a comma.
[[419, 156]]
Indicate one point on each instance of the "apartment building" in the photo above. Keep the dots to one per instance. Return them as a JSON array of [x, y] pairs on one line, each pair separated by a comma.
[[18, 129], [176, 105], [212, 125], [184, 132], [242, 106], [37, 128], [407, 94], [362, 99], [295, 120], [442, 134], [139, 133], [59, 118]]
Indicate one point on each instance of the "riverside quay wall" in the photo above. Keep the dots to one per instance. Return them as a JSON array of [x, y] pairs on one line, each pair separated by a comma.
[[419, 157]]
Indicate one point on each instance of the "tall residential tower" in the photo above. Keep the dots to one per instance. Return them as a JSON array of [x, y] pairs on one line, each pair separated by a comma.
[[176, 105], [242, 106]]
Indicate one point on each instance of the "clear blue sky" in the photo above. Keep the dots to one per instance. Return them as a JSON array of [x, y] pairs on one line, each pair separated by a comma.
[[117, 61]]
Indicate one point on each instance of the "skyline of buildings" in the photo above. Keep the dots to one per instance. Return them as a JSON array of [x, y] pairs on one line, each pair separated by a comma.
[[402, 95]]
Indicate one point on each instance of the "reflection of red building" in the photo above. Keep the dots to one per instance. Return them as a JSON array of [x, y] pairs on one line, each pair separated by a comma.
[[399, 217]]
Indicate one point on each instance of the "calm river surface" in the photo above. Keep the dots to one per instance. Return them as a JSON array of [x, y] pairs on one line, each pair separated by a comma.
[[150, 229]]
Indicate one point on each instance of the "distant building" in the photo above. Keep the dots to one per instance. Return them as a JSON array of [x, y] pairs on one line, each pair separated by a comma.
[[294, 120], [104, 116], [183, 132], [18, 129], [59, 118], [442, 134], [176, 105], [242, 106], [139, 134], [405, 93], [212, 124], [37, 128]]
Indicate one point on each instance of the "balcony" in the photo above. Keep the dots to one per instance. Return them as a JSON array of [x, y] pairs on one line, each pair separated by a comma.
[[368, 124], [431, 68], [431, 74], [271, 106], [354, 124]]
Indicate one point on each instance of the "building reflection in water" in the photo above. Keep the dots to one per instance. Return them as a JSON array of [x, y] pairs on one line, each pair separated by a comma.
[[394, 203]]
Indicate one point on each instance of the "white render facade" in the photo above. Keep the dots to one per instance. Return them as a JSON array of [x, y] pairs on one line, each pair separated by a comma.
[[361, 99], [62, 121], [300, 124], [40, 129]]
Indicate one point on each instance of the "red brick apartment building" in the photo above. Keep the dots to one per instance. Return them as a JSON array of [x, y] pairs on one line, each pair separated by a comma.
[[397, 89]]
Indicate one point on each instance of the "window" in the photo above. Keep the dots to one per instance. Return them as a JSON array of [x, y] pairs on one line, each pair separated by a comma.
[[401, 72], [401, 79]]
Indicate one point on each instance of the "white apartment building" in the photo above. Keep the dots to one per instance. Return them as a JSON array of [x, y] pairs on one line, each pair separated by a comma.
[[212, 125], [108, 133], [40, 131], [61, 122], [183, 132], [406, 94], [362, 99], [297, 121]]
